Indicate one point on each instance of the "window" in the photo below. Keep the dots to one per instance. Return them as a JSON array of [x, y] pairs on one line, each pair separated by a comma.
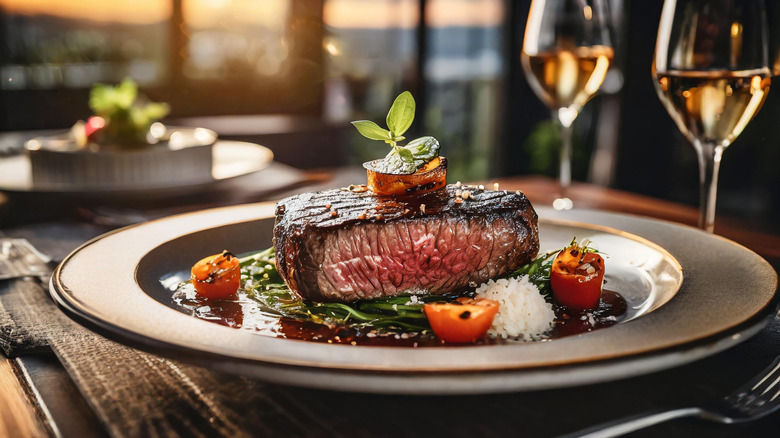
[[203, 56]]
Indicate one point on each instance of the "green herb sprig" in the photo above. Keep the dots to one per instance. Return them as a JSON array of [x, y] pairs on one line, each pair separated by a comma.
[[401, 159], [127, 116]]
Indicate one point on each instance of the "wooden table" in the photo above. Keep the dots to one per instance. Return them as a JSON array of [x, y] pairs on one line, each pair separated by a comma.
[[241, 406]]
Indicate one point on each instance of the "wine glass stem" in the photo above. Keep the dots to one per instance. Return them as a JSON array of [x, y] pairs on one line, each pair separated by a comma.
[[709, 163], [564, 172]]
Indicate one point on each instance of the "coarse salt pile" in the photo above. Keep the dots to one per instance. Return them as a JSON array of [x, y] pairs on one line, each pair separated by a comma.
[[523, 312]]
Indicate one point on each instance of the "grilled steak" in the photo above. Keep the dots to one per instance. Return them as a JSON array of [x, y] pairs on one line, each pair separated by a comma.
[[345, 245]]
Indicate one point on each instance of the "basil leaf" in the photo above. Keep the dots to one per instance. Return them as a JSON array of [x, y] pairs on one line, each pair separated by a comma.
[[371, 130], [423, 148], [401, 114]]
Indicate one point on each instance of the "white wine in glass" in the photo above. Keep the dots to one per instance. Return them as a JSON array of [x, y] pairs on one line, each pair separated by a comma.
[[711, 73], [566, 56]]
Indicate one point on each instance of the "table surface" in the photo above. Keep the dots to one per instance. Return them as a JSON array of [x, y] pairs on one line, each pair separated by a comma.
[[55, 391]]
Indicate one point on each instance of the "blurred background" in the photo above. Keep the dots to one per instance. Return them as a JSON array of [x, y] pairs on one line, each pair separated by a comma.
[[291, 74]]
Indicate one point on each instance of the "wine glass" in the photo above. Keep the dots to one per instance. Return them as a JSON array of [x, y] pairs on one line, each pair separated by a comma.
[[712, 74], [566, 54]]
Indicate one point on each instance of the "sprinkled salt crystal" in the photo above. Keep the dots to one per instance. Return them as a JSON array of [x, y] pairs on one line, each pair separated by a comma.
[[495, 186], [458, 184]]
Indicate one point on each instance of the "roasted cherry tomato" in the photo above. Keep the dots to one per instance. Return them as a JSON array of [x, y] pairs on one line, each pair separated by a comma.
[[432, 176], [217, 276], [577, 276], [462, 322], [93, 126]]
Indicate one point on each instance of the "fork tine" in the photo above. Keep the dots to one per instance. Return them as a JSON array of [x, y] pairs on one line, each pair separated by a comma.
[[754, 398], [775, 367], [770, 373]]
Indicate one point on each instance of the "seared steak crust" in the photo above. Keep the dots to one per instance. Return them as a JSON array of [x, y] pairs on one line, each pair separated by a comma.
[[343, 245]]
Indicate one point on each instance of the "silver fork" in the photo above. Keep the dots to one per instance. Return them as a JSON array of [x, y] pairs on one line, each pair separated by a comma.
[[18, 259], [755, 399]]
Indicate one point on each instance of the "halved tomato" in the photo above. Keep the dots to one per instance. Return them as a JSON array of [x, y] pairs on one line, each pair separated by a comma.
[[217, 276], [465, 321], [577, 277]]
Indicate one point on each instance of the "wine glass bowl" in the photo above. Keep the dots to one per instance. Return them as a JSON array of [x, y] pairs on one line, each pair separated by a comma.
[[711, 72], [566, 54]]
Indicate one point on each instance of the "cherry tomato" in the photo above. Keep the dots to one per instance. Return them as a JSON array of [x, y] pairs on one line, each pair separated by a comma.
[[463, 322], [217, 276], [576, 277]]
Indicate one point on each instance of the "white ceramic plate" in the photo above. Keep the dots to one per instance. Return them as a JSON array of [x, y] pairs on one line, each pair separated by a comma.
[[118, 284], [231, 159]]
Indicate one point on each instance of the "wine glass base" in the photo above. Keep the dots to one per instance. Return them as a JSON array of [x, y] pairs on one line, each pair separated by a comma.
[[563, 204]]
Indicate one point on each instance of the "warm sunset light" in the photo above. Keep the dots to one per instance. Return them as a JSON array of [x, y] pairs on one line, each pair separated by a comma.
[[405, 13], [371, 14], [123, 11], [466, 13], [211, 13]]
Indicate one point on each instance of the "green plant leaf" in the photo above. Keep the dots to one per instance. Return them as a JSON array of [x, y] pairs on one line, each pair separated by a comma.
[[100, 101], [423, 148], [401, 114], [401, 159], [126, 93], [156, 111], [371, 130]]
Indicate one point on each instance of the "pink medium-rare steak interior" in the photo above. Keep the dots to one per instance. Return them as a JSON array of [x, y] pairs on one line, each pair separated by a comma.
[[378, 246]]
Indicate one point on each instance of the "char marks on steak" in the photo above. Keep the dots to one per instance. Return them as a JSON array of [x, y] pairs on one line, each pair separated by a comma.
[[343, 245]]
